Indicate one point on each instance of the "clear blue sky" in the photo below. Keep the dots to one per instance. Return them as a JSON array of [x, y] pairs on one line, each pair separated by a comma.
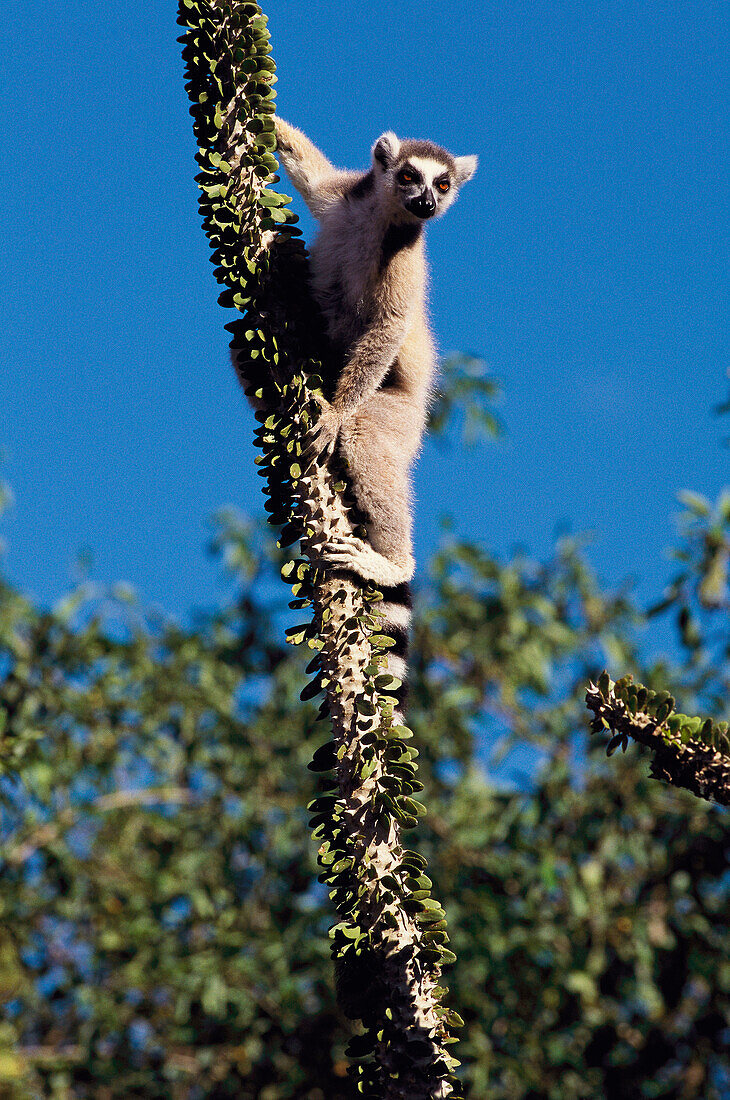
[[586, 262]]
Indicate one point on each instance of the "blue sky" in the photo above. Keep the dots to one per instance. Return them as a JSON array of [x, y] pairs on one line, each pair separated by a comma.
[[586, 263]]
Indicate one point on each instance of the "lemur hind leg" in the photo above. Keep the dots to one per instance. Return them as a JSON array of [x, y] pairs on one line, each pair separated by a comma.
[[377, 461]]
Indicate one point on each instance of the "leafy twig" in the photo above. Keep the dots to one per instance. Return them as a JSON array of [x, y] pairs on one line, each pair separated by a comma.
[[689, 752]]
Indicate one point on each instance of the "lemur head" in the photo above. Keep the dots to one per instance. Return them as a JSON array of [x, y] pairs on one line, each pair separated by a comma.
[[421, 178]]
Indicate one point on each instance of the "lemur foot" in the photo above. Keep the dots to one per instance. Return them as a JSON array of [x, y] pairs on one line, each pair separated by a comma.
[[343, 552], [323, 436]]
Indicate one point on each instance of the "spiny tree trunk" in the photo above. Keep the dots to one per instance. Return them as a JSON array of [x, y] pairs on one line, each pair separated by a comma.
[[389, 944]]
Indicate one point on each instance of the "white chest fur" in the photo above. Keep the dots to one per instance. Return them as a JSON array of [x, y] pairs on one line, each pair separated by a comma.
[[347, 267]]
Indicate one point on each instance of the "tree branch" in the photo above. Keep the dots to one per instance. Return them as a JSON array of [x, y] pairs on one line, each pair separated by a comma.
[[390, 942], [689, 752]]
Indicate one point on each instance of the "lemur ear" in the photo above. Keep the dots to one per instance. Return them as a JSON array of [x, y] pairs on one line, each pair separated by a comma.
[[465, 168], [386, 149]]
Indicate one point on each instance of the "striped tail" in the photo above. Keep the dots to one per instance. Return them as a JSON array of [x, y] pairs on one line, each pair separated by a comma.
[[396, 610]]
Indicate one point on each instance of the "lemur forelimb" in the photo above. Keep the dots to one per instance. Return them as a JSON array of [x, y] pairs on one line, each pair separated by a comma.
[[368, 276]]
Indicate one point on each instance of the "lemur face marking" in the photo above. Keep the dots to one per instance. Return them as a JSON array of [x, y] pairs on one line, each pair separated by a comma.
[[422, 186], [424, 178]]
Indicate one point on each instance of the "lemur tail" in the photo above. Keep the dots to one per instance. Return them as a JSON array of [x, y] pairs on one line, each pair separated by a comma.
[[396, 611]]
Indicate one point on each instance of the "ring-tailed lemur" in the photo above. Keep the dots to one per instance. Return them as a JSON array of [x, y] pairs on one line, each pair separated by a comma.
[[368, 276]]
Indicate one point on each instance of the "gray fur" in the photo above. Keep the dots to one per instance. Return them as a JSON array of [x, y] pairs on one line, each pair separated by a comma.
[[368, 275], [427, 150]]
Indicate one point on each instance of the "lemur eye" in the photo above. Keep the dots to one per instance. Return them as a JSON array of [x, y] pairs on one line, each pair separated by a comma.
[[443, 186], [405, 176]]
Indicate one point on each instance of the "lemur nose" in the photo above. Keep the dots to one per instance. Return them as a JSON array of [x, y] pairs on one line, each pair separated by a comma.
[[423, 206]]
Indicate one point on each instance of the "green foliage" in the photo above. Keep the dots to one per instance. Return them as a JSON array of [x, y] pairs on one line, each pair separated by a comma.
[[466, 388], [688, 751], [164, 932], [691, 752], [706, 529], [162, 925]]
